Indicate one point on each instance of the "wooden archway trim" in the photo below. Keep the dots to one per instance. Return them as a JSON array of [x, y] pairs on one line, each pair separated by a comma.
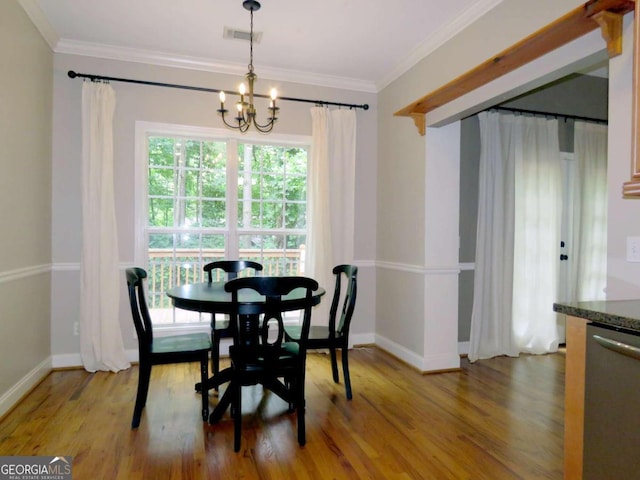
[[606, 14], [631, 189]]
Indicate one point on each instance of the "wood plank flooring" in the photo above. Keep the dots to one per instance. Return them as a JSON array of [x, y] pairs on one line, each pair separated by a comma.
[[496, 419]]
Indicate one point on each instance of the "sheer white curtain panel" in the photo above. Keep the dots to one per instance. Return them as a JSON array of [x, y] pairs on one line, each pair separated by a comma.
[[101, 344], [491, 332], [588, 254], [517, 246], [330, 227], [538, 214]]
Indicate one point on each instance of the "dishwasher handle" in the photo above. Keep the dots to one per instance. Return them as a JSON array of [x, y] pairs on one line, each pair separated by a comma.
[[619, 347]]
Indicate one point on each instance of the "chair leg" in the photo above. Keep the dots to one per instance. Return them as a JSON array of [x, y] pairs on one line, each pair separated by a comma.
[[334, 364], [215, 353], [204, 372], [345, 371], [300, 414], [289, 384], [237, 418], [223, 404], [144, 375]]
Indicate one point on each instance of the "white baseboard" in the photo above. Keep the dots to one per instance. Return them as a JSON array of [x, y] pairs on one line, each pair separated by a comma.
[[73, 360], [399, 351], [362, 339], [68, 360], [463, 348], [30, 380], [429, 363]]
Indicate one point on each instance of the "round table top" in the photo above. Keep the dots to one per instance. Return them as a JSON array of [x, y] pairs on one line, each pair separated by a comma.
[[211, 297]]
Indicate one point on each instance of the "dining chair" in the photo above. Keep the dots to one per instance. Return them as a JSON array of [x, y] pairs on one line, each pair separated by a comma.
[[193, 347], [260, 354], [335, 335], [220, 326]]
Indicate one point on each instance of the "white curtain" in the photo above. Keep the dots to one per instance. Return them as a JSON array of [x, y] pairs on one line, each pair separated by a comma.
[[101, 344], [491, 332], [330, 223], [538, 216], [517, 249], [588, 254]]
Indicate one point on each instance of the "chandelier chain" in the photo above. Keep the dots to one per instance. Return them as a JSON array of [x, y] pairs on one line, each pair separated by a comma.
[[251, 44]]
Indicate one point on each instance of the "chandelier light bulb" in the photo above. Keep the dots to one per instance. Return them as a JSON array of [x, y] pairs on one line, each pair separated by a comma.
[[274, 94], [243, 89], [222, 97]]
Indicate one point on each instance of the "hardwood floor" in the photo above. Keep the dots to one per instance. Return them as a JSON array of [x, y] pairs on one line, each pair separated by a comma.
[[496, 419]]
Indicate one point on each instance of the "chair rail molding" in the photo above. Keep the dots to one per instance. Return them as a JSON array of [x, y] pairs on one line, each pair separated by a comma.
[[26, 272], [420, 269]]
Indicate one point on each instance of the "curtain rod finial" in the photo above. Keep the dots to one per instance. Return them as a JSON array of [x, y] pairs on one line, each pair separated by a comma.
[[72, 74]]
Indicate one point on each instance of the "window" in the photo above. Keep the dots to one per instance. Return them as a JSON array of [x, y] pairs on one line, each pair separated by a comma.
[[210, 196]]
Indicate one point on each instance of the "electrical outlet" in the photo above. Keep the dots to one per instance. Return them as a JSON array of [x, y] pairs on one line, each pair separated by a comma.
[[633, 249], [76, 329]]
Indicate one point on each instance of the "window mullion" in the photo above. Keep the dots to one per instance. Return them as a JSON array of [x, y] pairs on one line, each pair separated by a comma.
[[233, 248]]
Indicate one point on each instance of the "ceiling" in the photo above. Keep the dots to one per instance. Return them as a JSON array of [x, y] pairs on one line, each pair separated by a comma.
[[356, 44]]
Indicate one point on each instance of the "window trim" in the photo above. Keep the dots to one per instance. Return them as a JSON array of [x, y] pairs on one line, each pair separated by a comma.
[[143, 129]]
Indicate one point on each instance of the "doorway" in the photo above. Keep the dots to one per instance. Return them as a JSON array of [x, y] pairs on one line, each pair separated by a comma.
[[564, 98]]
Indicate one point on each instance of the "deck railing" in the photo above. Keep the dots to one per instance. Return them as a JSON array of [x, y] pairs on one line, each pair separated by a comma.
[[169, 268]]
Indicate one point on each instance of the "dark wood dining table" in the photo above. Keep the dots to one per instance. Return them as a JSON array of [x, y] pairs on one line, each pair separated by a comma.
[[212, 298]]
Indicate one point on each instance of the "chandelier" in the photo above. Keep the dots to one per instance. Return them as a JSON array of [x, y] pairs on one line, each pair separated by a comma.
[[245, 110]]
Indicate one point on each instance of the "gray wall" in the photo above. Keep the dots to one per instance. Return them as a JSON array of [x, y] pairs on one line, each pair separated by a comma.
[[469, 169], [25, 198], [574, 96]]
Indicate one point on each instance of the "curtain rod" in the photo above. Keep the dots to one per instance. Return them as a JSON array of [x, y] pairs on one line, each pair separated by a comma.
[[533, 112], [93, 78]]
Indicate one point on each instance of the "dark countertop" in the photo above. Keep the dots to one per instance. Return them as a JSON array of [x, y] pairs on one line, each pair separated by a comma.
[[615, 313]]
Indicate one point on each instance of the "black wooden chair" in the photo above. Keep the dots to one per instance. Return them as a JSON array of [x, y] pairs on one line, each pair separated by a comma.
[[336, 334], [192, 347], [220, 326], [259, 358]]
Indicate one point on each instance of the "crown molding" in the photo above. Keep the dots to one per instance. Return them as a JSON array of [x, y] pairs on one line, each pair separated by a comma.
[[39, 19], [110, 52], [437, 39]]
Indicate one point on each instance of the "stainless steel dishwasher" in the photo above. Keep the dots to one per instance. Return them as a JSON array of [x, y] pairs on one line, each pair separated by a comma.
[[612, 405]]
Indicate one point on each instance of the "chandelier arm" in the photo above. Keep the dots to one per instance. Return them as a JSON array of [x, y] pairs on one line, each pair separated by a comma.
[[264, 128], [224, 120], [270, 123], [240, 125]]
